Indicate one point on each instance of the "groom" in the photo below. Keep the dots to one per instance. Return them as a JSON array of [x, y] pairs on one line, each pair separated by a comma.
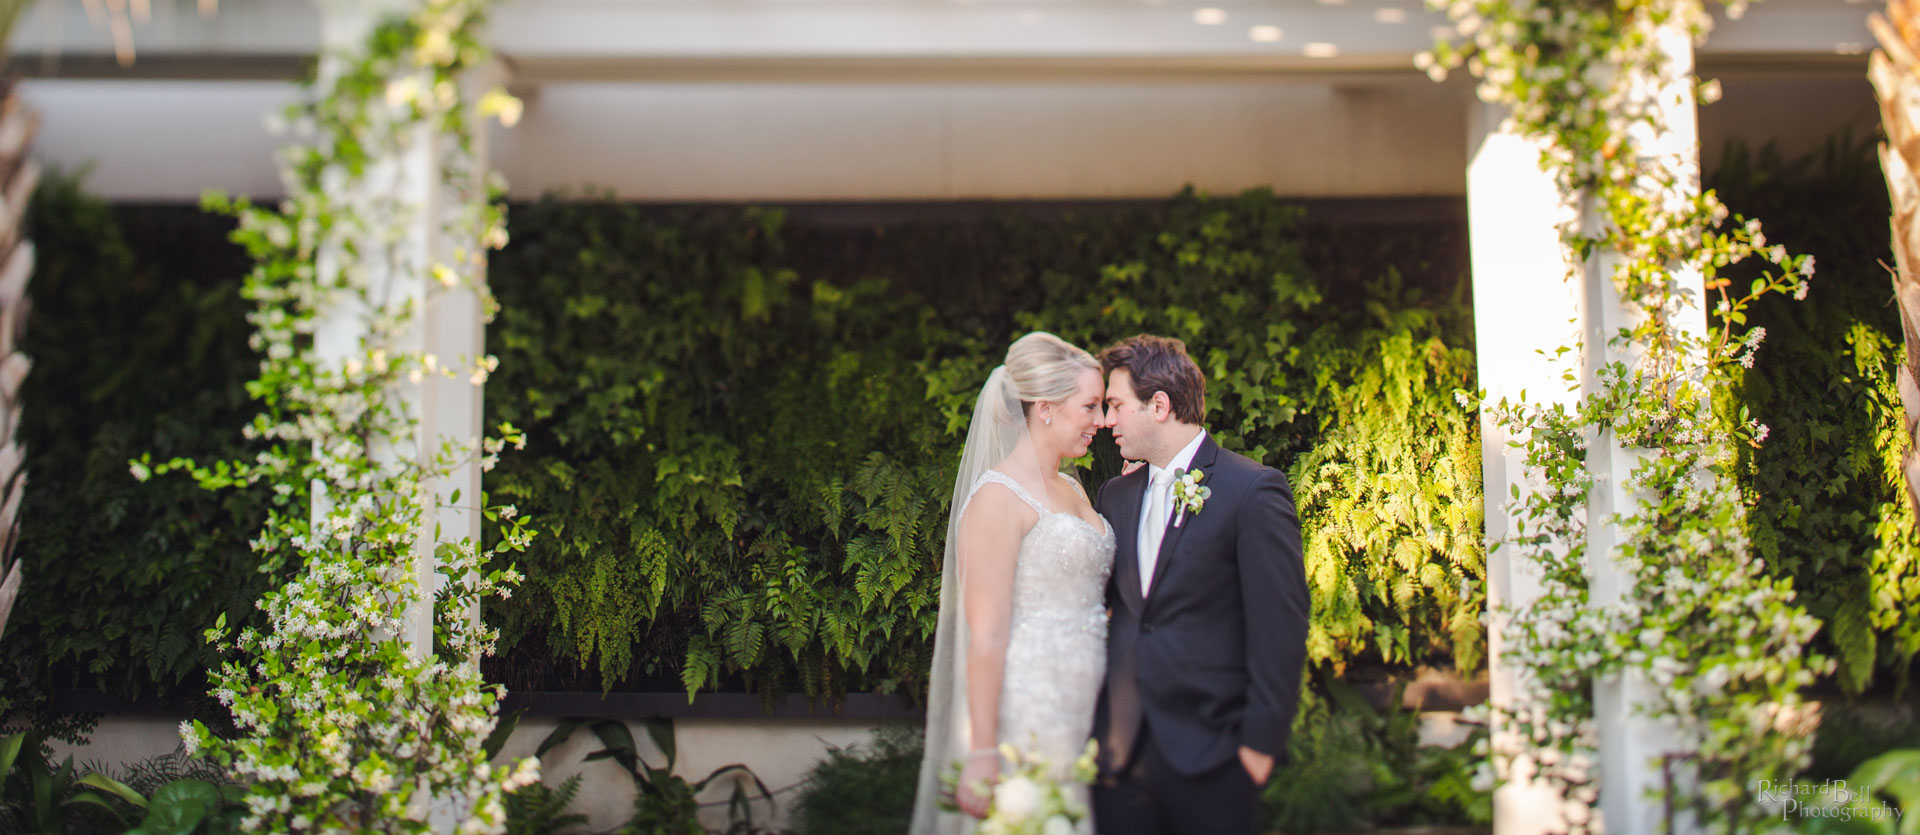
[[1209, 601]]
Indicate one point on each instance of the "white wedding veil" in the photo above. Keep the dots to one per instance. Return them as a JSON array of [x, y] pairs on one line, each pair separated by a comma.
[[996, 429]]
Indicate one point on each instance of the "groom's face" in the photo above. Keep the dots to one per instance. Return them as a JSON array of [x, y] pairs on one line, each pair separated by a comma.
[[1130, 418]]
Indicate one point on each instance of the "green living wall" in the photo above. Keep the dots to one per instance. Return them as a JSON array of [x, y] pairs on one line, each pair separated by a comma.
[[1829, 509], [743, 431], [744, 423], [139, 340]]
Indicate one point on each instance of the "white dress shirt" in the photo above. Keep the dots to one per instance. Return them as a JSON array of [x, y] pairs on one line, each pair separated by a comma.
[[1152, 530]]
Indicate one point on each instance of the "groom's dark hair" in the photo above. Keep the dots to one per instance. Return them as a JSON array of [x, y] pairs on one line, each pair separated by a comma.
[[1156, 364]]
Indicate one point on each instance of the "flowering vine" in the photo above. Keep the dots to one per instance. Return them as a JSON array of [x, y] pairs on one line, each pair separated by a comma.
[[1719, 641], [342, 724]]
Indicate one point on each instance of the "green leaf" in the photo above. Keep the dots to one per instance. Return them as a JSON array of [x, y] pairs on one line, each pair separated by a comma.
[[619, 742], [115, 788], [660, 730], [10, 751], [502, 730], [88, 798], [178, 807], [1895, 774], [1854, 637], [560, 733]]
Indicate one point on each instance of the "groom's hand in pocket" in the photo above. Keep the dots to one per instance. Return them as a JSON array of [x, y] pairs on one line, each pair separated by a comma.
[[1259, 766]]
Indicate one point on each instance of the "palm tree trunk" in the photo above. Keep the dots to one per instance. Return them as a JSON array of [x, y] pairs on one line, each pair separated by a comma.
[[1895, 71], [18, 176]]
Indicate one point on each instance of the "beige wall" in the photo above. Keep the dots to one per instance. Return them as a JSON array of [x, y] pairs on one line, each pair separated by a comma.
[[985, 140], [1361, 134]]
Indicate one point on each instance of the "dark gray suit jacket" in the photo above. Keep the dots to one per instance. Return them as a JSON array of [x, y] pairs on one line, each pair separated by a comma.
[[1211, 659]]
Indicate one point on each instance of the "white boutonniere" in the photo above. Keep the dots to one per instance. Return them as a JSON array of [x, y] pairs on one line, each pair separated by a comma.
[[1189, 495]]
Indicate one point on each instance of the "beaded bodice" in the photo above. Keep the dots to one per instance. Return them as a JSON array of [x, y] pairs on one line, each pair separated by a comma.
[[1056, 650], [1064, 561]]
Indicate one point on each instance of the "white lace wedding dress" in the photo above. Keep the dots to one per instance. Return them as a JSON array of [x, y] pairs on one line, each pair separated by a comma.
[[1057, 643]]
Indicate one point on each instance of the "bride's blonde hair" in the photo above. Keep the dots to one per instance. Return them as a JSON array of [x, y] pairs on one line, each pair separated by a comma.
[[1040, 367]]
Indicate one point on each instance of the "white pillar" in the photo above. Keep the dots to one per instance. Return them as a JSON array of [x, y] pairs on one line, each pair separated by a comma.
[[447, 323], [1525, 305], [1631, 744], [1523, 309]]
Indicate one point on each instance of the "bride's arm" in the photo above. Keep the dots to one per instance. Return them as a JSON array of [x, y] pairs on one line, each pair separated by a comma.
[[988, 548]]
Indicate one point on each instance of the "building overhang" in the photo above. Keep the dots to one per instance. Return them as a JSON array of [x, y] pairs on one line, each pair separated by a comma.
[[640, 40]]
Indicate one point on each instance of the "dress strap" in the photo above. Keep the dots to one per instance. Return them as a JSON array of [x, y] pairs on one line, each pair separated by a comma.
[[1004, 480], [1077, 488]]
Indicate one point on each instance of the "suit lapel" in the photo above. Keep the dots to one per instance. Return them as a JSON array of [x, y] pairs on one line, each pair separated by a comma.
[[1126, 532], [1203, 459]]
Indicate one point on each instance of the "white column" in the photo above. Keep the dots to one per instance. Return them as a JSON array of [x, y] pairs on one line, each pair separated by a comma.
[[1525, 305], [1523, 309], [456, 333], [446, 325], [1631, 744]]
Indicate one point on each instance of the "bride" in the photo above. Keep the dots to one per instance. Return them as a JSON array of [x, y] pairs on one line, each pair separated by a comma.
[[1020, 654]]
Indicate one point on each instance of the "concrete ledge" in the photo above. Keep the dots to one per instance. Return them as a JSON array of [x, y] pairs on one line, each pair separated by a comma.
[[860, 706], [863, 707]]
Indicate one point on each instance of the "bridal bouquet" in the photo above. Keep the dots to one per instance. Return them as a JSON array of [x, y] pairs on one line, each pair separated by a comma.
[[1029, 800]]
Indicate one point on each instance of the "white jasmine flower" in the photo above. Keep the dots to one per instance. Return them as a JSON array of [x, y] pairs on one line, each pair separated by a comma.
[[1708, 684], [189, 738], [402, 91]]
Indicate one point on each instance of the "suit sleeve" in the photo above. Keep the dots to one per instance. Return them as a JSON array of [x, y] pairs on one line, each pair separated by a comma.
[[1273, 589], [1100, 507]]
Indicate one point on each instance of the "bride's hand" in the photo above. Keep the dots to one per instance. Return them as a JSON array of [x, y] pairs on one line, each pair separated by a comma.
[[1131, 466], [983, 769]]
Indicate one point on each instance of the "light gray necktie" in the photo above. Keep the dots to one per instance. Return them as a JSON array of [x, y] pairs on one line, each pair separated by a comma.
[[1153, 526]]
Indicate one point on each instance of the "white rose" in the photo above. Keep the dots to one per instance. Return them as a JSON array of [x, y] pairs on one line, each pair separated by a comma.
[[1057, 825], [1016, 799]]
